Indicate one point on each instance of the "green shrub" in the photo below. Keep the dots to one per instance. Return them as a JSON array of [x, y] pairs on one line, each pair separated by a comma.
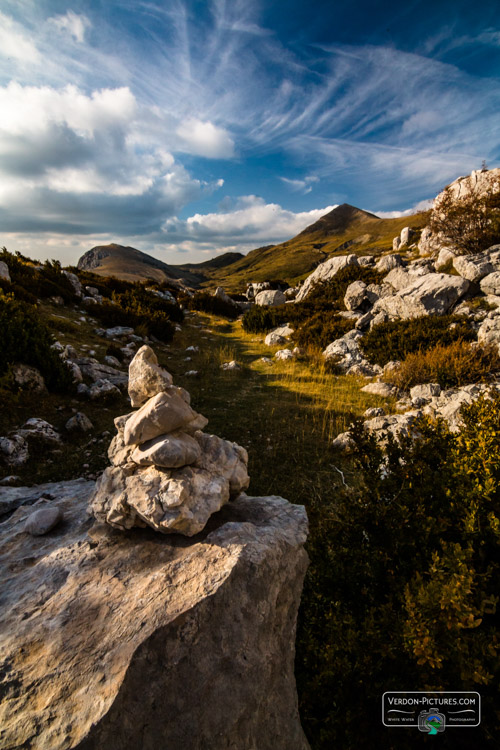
[[449, 365], [46, 281], [321, 329], [27, 340], [331, 293], [397, 339], [260, 319], [209, 303], [402, 589]]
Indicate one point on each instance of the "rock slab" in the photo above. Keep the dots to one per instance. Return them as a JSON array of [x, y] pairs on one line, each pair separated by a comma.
[[135, 640]]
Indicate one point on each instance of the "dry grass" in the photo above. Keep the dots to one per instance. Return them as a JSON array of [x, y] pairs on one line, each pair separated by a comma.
[[453, 365]]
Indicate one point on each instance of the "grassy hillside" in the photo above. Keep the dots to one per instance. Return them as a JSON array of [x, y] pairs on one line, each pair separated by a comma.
[[294, 259], [129, 264]]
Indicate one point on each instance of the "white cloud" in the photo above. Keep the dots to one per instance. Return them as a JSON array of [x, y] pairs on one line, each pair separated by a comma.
[[252, 221], [73, 24], [205, 139], [68, 159], [14, 42], [420, 206], [303, 186]]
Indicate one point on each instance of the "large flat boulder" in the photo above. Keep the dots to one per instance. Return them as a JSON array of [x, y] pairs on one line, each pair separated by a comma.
[[128, 640], [432, 294]]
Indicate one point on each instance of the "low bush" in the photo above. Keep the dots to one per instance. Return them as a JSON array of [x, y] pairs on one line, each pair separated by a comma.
[[30, 283], [402, 589], [396, 339], [321, 329], [449, 365], [261, 319], [331, 293], [209, 303], [27, 340]]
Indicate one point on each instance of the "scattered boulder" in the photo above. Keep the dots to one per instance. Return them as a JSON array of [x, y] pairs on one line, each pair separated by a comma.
[[103, 390], [14, 450], [75, 283], [118, 332], [4, 271], [407, 236], [43, 520], [347, 355], [387, 262], [284, 354], [79, 423], [278, 336], [432, 294], [324, 272], [471, 268], [380, 389], [356, 296], [270, 298], [221, 294], [489, 332], [232, 366], [490, 284], [39, 431], [444, 257], [28, 378]]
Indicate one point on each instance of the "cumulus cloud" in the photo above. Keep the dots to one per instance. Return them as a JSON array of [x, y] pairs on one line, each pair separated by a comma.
[[73, 24], [252, 220], [205, 139], [71, 160]]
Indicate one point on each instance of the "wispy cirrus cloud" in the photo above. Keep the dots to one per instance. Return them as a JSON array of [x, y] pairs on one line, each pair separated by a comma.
[[142, 108]]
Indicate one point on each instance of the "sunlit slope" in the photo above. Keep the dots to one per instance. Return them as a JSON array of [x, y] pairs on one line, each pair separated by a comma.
[[345, 229]]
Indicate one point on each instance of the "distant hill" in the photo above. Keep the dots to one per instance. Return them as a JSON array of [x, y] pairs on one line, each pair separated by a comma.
[[130, 264], [344, 228]]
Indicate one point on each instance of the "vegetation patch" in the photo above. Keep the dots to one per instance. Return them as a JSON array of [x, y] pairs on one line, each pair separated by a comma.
[[331, 293], [27, 340], [321, 329], [402, 587], [396, 339], [450, 365], [209, 303]]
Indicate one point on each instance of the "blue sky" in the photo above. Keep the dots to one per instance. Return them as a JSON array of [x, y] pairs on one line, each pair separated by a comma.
[[188, 128]]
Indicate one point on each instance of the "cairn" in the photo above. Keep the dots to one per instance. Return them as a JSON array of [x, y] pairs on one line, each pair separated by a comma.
[[166, 472]]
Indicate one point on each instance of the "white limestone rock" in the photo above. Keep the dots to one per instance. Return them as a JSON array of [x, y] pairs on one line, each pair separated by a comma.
[[472, 269], [490, 284], [4, 271], [101, 630], [270, 298], [146, 377], [324, 272], [432, 294], [163, 413], [284, 354], [387, 262], [168, 451]]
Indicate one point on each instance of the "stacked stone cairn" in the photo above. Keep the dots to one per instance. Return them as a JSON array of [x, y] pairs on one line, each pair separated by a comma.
[[166, 473]]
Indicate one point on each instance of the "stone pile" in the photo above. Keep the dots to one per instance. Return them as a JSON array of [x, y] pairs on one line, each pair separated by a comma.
[[166, 472]]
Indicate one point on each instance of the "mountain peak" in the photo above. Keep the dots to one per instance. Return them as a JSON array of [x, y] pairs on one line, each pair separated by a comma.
[[338, 219]]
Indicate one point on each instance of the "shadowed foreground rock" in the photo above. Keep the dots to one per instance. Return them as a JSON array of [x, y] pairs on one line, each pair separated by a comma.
[[128, 640]]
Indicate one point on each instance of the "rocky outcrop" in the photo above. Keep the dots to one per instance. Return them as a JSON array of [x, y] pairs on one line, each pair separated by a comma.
[[4, 271], [324, 272], [166, 472], [270, 298], [138, 640], [432, 294]]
